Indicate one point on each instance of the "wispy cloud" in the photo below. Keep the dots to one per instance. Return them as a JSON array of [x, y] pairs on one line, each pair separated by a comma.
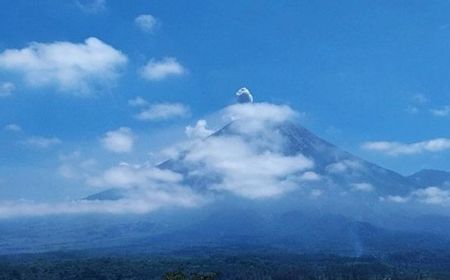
[[163, 111], [417, 103], [157, 70], [13, 127], [119, 141], [70, 67], [92, 6], [128, 176], [6, 89], [398, 148], [138, 102], [144, 203], [442, 112], [147, 22], [42, 142]]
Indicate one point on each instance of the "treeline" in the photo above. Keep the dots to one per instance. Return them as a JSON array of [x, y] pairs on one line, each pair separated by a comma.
[[211, 267]]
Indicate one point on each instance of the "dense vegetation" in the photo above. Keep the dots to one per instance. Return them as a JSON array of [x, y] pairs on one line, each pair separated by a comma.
[[224, 265]]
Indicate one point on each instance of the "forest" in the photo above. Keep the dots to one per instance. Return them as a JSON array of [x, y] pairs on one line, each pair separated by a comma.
[[223, 265]]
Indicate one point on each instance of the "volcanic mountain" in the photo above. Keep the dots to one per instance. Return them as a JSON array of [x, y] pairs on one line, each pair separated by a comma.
[[333, 202]]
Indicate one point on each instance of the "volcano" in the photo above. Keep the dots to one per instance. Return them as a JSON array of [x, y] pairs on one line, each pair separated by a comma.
[[320, 199]]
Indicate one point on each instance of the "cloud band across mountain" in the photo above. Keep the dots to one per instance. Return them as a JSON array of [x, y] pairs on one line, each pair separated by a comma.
[[398, 148]]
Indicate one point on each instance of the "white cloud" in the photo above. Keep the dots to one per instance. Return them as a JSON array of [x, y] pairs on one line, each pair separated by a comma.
[[397, 148], [443, 112], [429, 195], [146, 22], [363, 187], [310, 176], [163, 111], [149, 189], [397, 199], [344, 166], [70, 67], [247, 160], [92, 6], [245, 170], [125, 176], [156, 70], [13, 127], [432, 195], [254, 117], [119, 141], [6, 89], [200, 130], [144, 202], [261, 112], [138, 102], [42, 142]]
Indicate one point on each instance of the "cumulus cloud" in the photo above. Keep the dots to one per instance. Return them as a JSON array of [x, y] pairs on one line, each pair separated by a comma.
[[146, 22], [246, 158], [432, 195], [6, 89], [42, 142], [429, 195], [245, 170], [13, 127], [92, 6], [70, 67], [156, 70], [119, 141], [398, 148], [254, 117], [163, 111], [443, 112], [200, 130]]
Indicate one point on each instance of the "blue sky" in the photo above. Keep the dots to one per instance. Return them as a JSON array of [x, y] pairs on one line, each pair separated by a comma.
[[358, 71]]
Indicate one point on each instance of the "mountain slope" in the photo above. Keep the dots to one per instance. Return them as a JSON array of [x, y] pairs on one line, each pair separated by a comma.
[[430, 177], [335, 166]]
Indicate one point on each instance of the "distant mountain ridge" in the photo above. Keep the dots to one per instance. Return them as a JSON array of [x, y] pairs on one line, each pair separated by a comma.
[[430, 177]]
